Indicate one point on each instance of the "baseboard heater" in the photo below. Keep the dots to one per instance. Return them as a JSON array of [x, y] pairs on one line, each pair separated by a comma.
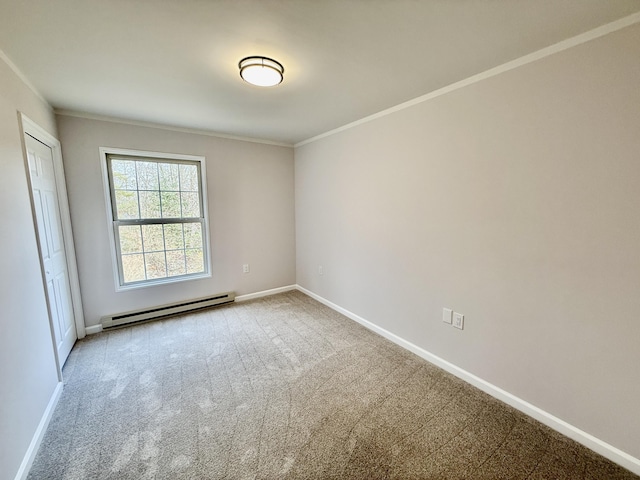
[[154, 313]]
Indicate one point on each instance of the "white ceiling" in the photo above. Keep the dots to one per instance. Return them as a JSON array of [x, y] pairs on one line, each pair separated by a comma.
[[174, 62]]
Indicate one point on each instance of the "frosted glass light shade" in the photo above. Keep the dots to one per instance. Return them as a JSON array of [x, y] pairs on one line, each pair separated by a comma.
[[261, 71]]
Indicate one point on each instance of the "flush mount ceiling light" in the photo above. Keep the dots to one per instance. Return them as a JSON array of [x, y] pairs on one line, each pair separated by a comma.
[[261, 71]]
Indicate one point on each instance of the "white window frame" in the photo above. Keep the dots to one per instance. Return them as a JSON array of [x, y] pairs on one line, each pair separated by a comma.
[[112, 224]]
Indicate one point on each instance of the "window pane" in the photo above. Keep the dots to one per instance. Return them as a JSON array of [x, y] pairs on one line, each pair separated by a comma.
[[170, 204], [153, 238], [130, 239], [147, 190], [193, 235], [176, 263], [169, 179], [190, 204], [173, 237], [195, 260], [126, 204], [149, 204], [188, 178], [133, 268], [156, 267], [147, 176], [124, 174]]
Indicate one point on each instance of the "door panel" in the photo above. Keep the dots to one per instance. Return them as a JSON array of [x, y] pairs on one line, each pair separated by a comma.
[[53, 255]]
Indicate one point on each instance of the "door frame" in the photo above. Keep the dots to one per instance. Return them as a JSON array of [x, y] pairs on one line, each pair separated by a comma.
[[28, 126]]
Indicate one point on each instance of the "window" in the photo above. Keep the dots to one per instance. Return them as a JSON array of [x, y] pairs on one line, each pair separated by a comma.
[[157, 207]]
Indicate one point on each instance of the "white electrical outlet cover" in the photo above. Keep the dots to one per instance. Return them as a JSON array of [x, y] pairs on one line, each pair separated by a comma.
[[458, 320], [447, 315]]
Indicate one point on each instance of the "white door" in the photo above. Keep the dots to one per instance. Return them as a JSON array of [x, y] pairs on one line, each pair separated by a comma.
[[54, 260]]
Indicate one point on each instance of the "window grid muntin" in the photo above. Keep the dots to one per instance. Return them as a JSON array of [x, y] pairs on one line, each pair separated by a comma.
[[117, 223], [199, 183], [144, 251]]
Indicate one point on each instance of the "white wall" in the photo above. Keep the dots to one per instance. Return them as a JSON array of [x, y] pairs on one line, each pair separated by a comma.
[[250, 190], [514, 200], [28, 371]]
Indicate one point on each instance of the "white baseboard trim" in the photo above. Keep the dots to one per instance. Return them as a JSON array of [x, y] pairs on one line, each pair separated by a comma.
[[608, 451], [93, 329], [265, 293], [30, 455]]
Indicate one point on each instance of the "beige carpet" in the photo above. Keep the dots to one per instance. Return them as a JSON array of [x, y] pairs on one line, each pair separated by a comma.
[[285, 388]]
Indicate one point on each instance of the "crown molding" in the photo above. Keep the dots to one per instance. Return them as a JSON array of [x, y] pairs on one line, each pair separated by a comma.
[[505, 67], [138, 123]]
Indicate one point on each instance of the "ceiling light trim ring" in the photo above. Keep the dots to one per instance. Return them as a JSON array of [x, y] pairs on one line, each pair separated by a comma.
[[250, 64]]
